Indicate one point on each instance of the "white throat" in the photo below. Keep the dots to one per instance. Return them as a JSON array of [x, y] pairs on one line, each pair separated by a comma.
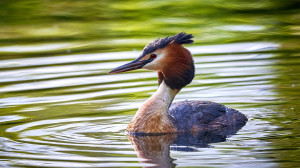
[[160, 101], [152, 116], [158, 104]]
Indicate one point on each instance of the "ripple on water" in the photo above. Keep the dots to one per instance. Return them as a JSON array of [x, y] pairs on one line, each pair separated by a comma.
[[10, 118], [83, 141], [60, 142]]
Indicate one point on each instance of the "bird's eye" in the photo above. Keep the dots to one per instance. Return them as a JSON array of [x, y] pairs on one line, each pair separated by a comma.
[[153, 56]]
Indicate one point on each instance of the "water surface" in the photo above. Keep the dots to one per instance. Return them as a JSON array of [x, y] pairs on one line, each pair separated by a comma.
[[59, 108]]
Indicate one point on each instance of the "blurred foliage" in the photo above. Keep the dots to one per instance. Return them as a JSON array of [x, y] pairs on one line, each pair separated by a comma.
[[211, 22]]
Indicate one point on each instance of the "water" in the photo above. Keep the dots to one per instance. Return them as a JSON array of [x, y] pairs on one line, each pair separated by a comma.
[[59, 108]]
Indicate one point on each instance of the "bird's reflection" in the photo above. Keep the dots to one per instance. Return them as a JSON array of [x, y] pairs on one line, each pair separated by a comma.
[[155, 149]]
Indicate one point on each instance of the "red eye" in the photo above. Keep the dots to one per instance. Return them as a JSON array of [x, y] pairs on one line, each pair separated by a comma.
[[153, 56]]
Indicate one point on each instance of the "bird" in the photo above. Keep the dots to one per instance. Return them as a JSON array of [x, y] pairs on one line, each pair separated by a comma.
[[174, 65]]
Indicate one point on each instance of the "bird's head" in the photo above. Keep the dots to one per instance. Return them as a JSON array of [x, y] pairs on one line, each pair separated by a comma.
[[169, 58]]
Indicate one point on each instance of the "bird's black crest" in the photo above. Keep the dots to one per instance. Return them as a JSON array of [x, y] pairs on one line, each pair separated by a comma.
[[180, 38]]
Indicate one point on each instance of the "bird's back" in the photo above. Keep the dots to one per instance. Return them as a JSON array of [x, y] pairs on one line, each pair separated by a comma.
[[188, 116]]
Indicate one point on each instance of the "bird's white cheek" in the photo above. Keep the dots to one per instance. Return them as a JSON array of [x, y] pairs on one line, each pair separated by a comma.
[[152, 66], [156, 64]]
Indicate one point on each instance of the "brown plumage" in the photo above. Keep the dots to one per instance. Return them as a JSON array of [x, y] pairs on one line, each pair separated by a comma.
[[175, 68], [178, 69]]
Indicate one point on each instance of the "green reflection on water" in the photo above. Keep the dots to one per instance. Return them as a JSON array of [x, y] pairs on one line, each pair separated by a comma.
[[101, 25], [36, 29]]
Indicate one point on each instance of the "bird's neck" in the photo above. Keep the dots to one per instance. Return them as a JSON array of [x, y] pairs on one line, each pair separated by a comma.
[[152, 116]]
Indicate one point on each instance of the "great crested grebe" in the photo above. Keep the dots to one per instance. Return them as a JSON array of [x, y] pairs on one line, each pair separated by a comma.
[[175, 67]]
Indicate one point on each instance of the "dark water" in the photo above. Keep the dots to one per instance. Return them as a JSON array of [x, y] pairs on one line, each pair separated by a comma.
[[59, 108]]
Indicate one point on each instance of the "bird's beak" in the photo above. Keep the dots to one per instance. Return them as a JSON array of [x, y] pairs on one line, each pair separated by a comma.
[[136, 64]]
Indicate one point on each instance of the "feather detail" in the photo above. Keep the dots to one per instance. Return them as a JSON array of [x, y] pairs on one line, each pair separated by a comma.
[[179, 70]]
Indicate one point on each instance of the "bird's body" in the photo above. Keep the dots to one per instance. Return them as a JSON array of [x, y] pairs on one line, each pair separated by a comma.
[[191, 116], [175, 68]]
